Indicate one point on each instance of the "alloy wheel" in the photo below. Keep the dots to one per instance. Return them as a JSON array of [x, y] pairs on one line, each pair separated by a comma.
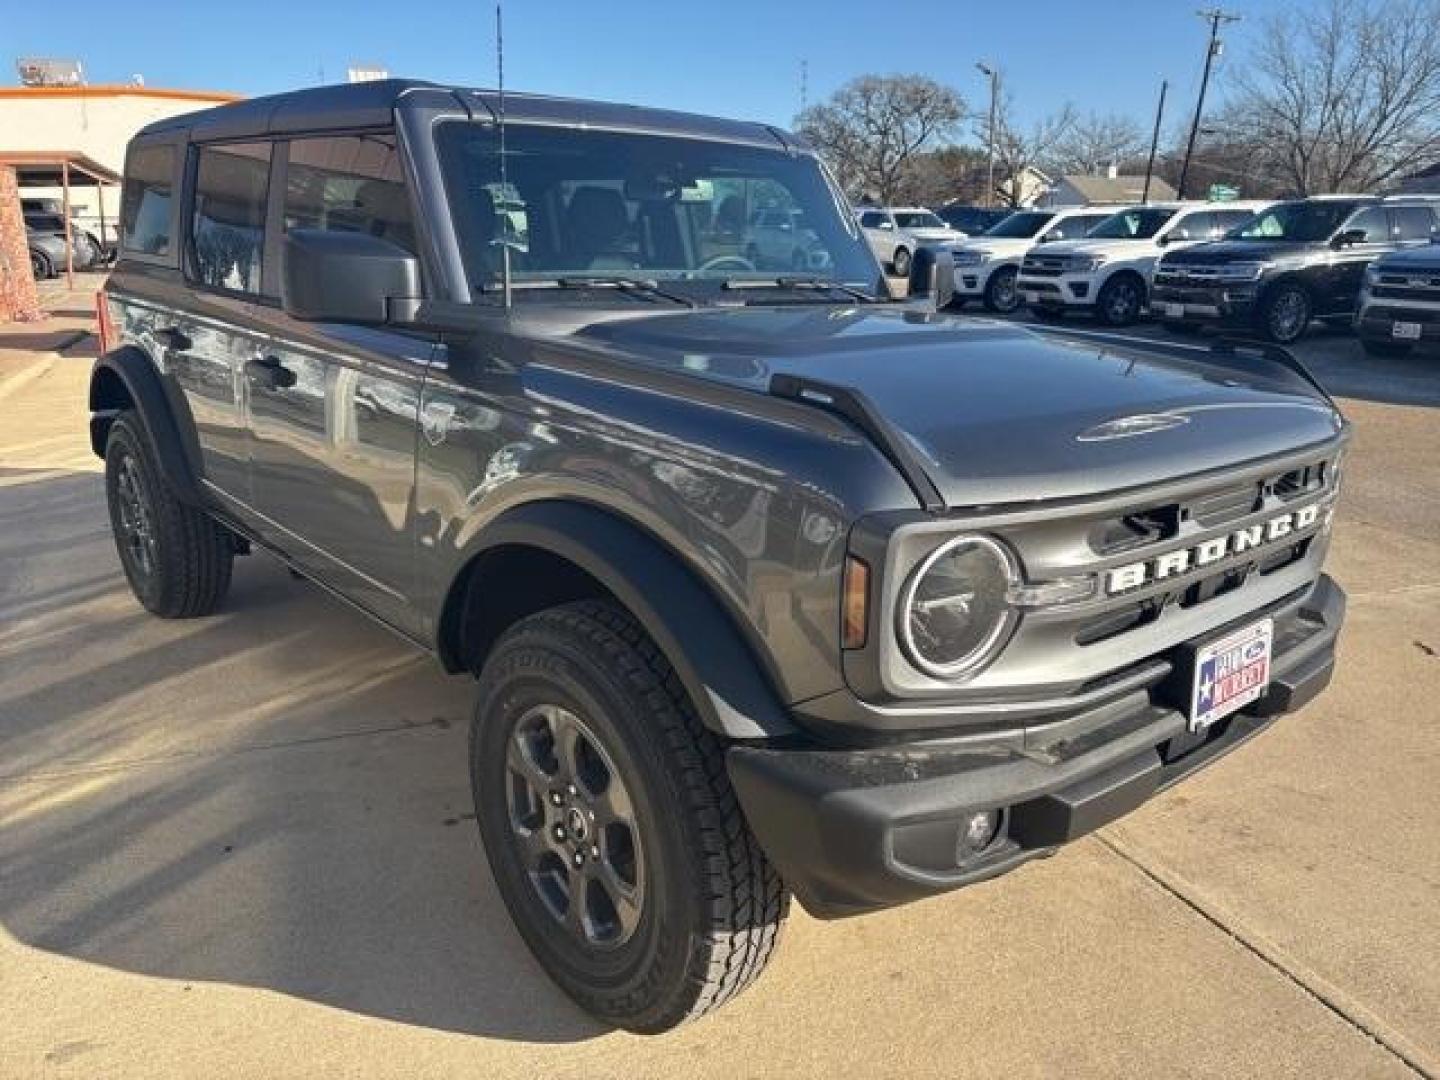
[[1123, 303], [137, 529], [1289, 313], [1003, 293], [572, 821]]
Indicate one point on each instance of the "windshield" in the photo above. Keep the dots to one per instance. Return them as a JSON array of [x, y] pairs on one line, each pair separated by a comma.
[[1300, 221], [918, 219], [595, 203], [1131, 224], [1021, 224]]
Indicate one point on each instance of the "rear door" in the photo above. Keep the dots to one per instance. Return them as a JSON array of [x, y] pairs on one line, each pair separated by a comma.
[[1347, 267], [334, 409]]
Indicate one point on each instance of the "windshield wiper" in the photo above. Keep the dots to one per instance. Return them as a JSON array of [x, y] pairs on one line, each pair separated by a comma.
[[642, 286], [787, 281], [638, 286]]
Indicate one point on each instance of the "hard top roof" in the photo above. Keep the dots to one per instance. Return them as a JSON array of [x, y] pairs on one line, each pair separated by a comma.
[[371, 104]]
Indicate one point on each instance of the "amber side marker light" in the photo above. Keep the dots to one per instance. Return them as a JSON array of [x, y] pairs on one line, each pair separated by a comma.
[[856, 608]]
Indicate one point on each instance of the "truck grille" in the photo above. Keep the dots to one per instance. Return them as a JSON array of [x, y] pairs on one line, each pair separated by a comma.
[[1423, 286], [1043, 265], [1118, 627]]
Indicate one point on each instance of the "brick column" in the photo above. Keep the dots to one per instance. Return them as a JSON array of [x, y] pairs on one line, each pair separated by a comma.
[[18, 299]]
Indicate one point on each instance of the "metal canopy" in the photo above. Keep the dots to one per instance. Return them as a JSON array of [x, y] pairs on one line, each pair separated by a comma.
[[55, 168]]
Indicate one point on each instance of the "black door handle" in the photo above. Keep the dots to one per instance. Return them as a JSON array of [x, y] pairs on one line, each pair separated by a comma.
[[269, 372], [173, 338]]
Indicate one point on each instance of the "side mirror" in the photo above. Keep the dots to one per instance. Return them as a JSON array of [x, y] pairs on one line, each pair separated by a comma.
[[1348, 237], [348, 277], [932, 274], [1163, 241]]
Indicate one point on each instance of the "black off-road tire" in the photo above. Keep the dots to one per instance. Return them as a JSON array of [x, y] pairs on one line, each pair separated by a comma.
[[190, 556], [712, 907]]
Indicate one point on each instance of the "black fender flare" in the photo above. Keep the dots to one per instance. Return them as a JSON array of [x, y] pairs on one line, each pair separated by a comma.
[[723, 673], [145, 394]]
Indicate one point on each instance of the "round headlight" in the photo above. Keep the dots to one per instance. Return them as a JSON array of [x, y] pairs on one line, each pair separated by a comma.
[[954, 613]]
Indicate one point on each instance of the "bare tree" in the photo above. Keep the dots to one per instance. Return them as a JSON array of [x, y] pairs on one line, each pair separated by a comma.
[[1343, 98], [1095, 142], [872, 127], [935, 177], [1018, 150]]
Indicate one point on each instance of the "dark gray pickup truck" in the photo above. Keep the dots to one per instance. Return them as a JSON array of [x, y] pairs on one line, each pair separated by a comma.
[[771, 583]]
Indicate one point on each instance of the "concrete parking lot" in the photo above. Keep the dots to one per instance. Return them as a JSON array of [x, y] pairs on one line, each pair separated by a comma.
[[242, 845]]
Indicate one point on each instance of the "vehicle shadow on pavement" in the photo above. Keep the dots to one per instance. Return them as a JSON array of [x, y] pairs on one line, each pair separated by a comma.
[[275, 796]]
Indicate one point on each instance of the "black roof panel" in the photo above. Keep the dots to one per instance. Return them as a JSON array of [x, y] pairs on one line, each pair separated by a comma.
[[370, 104]]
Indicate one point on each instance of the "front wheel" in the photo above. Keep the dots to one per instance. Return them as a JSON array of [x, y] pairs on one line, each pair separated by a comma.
[[1120, 300], [40, 266], [1001, 295], [900, 262], [610, 825], [1285, 313]]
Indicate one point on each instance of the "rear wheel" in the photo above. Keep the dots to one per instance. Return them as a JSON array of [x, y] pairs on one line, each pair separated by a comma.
[[176, 558], [900, 262], [1120, 300], [1385, 348], [1000, 293], [40, 265], [1285, 313], [610, 824]]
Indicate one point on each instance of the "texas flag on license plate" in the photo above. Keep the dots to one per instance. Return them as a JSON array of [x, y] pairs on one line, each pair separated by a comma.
[[1230, 673]]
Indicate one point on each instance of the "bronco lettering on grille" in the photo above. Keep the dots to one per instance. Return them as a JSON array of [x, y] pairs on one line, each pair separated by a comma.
[[1181, 561]]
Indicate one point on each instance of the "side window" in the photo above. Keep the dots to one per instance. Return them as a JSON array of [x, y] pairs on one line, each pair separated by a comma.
[[1413, 222], [1373, 222], [1225, 220], [872, 219], [349, 183], [227, 225], [145, 204], [1191, 227], [1072, 228]]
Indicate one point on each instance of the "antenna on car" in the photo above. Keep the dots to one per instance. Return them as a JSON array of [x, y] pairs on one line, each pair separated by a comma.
[[504, 183]]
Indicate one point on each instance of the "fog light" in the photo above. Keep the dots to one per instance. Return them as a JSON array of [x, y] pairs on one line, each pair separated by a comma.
[[977, 831]]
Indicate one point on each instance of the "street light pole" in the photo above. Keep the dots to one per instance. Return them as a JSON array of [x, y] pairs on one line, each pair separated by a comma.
[[1216, 17], [994, 77]]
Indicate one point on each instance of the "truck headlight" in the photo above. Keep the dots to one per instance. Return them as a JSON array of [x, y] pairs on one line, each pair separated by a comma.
[[1084, 264], [954, 611]]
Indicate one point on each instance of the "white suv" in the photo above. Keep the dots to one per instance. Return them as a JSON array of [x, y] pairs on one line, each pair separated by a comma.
[[894, 232], [1109, 271], [986, 266]]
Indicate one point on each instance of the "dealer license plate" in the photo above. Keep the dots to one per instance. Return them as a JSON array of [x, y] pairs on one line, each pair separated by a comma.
[[1174, 311], [1230, 673], [1406, 331]]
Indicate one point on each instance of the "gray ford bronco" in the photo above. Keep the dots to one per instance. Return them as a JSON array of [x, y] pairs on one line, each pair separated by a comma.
[[771, 583]]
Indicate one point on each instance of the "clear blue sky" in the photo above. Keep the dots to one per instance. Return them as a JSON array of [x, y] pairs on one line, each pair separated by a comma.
[[730, 57]]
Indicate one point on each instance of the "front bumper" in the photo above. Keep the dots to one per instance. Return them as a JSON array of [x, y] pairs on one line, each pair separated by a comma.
[[970, 280], [1376, 321], [1229, 305], [1064, 290], [856, 830]]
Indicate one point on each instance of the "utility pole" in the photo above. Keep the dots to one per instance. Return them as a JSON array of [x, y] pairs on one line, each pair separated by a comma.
[[1154, 141], [993, 74], [1216, 17]]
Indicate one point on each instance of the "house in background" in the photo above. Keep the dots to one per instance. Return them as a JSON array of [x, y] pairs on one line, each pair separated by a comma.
[[93, 123], [1024, 187], [1111, 188]]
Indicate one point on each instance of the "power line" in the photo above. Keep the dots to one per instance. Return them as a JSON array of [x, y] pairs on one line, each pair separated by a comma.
[[1212, 49]]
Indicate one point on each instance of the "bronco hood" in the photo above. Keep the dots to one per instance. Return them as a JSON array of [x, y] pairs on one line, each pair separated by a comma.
[[997, 413]]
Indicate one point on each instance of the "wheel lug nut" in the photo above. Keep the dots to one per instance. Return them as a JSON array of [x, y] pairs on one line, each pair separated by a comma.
[[579, 858], [559, 832], [572, 789], [594, 851], [557, 798]]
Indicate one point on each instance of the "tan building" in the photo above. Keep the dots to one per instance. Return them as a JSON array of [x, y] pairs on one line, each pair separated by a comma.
[[93, 122]]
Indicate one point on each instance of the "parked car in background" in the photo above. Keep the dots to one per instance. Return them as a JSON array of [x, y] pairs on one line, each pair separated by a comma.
[[895, 232], [780, 239], [1108, 272], [79, 223], [1400, 301], [1297, 261], [973, 220], [986, 266], [45, 234]]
